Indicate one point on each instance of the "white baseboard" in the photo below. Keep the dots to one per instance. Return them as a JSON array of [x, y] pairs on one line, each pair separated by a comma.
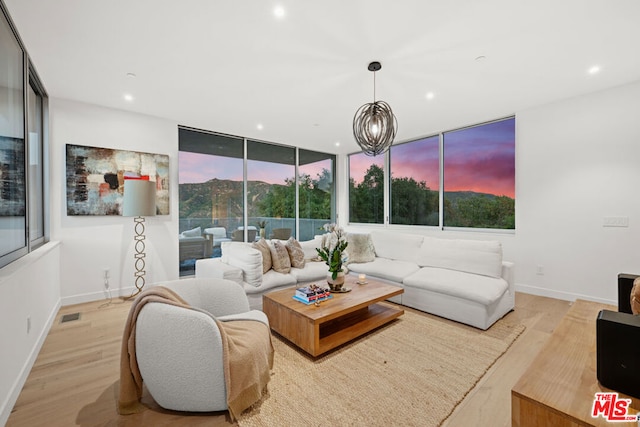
[[566, 296], [96, 296], [10, 401]]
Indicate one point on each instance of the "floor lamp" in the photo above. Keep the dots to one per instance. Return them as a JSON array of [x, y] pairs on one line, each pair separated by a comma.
[[139, 201]]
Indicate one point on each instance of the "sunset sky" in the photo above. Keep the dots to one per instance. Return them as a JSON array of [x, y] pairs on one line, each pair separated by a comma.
[[480, 159]]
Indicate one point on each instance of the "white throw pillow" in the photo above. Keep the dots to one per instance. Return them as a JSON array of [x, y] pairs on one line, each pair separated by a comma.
[[243, 256], [309, 247]]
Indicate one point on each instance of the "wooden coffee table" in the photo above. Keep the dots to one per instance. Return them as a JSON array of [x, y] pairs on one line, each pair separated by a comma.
[[318, 329]]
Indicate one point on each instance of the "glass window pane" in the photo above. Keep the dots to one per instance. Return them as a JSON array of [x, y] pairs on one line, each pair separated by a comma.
[[415, 182], [36, 203], [479, 176], [271, 192], [210, 194], [316, 192], [13, 226], [366, 189]]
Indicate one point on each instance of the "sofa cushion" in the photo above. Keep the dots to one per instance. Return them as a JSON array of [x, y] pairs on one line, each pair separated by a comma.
[[309, 247], [474, 287], [280, 257], [400, 246], [360, 248], [296, 254], [311, 271], [264, 249], [243, 256], [194, 232], [471, 256], [386, 269], [270, 280]]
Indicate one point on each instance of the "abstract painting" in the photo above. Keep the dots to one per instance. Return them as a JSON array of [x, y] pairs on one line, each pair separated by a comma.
[[95, 178], [12, 177]]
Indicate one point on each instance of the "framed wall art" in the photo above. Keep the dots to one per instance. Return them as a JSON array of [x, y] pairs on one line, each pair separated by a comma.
[[95, 178]]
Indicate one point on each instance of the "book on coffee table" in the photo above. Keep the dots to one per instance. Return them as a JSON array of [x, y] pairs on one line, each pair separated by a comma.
[[297, 298], [312, 293]]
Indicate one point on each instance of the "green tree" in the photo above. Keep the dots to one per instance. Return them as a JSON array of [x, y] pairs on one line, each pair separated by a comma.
[[314, 198], [366, 200], [413, 203], [481, 211]]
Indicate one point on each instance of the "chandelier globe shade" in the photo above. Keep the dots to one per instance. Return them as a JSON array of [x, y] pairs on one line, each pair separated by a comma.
[[374, 124]]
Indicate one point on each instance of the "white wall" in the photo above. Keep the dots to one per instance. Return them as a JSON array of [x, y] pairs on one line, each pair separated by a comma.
[[577, 161], [29, 289], [92, 243]]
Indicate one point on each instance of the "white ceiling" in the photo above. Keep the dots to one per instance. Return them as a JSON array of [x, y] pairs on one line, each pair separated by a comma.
[[229, 65]]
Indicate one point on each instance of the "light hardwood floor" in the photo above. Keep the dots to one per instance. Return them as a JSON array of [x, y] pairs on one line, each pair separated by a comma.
[[75, 377]]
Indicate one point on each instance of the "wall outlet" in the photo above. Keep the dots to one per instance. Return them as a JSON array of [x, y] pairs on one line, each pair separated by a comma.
[[615, 221]]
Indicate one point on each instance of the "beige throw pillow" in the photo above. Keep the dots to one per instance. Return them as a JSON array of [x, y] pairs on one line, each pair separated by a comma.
[[265, 250], [360, 248], [296, 254], [280, 257]]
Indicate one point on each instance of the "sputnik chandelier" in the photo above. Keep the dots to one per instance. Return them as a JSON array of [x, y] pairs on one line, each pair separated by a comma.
[[374, 125]]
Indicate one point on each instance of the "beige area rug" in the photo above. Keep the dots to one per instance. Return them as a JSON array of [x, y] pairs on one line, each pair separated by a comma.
[[412, 372]]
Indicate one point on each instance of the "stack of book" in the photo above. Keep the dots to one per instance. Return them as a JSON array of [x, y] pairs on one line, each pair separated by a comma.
[[312, 293]]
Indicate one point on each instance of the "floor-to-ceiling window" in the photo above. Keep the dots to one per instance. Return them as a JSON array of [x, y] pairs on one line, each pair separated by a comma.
[[316, 195], [211, 193], [271, 190], [215, 173]]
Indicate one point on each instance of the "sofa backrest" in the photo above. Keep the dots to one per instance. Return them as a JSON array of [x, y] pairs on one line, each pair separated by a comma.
[[398, 246], [472, 256]]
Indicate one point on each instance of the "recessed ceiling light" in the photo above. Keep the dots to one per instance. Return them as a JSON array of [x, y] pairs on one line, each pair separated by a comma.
[[131, 75], [481, 58], [279, 12], [259, 126], [128, 97], [337, 143], [429, 95], [594, 69]]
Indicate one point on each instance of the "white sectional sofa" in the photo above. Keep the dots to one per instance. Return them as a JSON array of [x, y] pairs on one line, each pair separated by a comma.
[[242, 263], [462, 280]]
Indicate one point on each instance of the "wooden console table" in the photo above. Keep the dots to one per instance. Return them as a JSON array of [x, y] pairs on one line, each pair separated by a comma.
[[559, 387]]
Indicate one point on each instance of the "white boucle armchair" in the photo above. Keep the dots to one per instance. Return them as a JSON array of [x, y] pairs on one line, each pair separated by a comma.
[[179, 351]]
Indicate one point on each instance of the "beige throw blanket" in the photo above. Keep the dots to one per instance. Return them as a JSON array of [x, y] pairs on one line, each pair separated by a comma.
[[246, 371]]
